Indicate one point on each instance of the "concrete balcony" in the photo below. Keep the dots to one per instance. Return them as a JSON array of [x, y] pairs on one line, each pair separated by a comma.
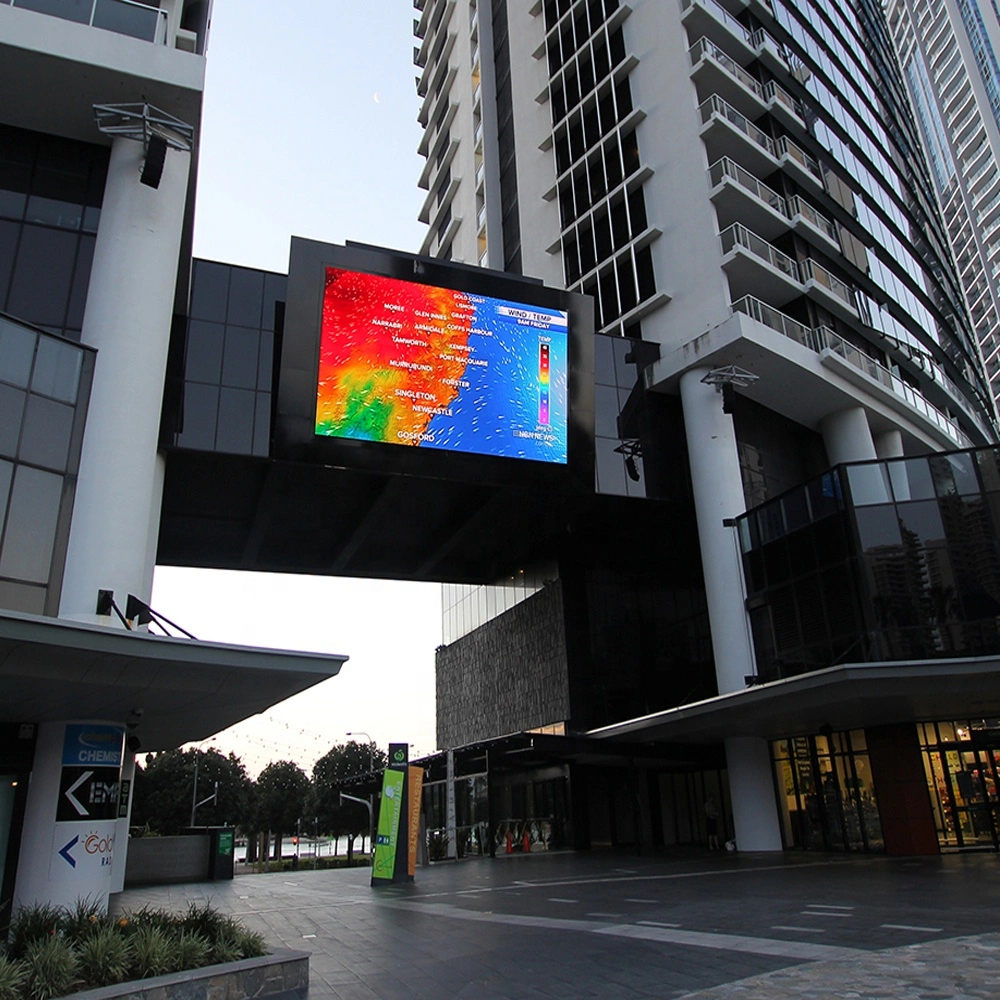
[[813, 224], [109, 51], [739, 196], [716, 72], [799, 163], [727, 132], [827, 289], [709, 19], [783, 106], [753, 265]]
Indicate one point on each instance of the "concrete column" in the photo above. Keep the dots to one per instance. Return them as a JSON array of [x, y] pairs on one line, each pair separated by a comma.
[[449, 807], [122, 823], [68, 838], [889, 444], [718, 494], [847, 436], [129, 307], [751, 788]]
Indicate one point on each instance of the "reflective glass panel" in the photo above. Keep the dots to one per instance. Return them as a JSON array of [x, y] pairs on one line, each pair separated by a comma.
[[48, 427], [57, 369], [869, 484], [17, 348], [11, 415], [878, 528], [31, 525]]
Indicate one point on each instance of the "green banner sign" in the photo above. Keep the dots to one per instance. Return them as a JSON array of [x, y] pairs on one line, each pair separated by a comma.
[[388, 824]]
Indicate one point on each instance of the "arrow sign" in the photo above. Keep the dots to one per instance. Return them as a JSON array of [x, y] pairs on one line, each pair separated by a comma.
[[64, 851], [77, 805]]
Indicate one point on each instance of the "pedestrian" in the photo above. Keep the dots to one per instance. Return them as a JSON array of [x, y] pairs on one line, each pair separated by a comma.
[[712, 822]]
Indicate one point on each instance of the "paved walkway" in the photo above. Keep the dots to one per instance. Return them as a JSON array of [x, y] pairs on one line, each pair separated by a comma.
[[609, 926]]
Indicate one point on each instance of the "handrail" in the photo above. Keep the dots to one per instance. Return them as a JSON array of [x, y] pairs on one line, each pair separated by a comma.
[[725, 167], [705, 46], [822, 338], [759, 247], [720, 12], [716, 105], [101, 16]]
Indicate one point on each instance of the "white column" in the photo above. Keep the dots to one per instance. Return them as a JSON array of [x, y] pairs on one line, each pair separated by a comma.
[[847, 436], [122, 824], [751, 788], [68, 836], [718, 493], [889, 444], [129, 307]]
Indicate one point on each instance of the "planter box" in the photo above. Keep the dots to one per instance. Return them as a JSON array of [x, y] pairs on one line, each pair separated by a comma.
[[283, 975]]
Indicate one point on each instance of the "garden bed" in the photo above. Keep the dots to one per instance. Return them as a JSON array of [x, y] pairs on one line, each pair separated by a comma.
[[282, 975]]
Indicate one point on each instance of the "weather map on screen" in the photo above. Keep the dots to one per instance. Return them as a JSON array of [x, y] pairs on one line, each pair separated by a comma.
[[412, 364]]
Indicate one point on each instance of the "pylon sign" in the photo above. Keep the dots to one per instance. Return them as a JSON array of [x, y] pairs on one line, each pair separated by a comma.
[[390, 858]]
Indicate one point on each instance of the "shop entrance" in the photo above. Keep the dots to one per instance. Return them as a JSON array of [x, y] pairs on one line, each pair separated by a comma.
[[962, 761], [826, 796]]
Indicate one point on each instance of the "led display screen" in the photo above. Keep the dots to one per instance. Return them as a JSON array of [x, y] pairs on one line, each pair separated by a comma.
[[422, 366]]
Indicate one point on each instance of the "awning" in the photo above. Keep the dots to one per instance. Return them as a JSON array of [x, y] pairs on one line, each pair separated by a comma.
[[51, 669]]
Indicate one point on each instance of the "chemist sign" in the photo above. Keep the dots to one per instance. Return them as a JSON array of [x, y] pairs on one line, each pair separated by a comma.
[[93, 746]]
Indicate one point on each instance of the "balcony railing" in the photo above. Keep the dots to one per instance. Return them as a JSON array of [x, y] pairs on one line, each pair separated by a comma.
[[796, 206], [721, 14], [737, 235], [729, 168], [124, 17], [809, 270], [775, 92], [824, 339], [775, 319], [703, 47], [716, 105], [786, 147]]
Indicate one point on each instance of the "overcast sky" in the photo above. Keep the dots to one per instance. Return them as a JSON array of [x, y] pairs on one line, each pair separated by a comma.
[[310, 129]]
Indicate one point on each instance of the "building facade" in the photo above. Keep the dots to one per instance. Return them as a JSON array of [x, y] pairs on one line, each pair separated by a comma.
[[98, 137], [949, 60], [741, 186]]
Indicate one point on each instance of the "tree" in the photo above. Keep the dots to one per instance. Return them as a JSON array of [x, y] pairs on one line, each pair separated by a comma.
[[332, 773], [282, 788], [164, 791]]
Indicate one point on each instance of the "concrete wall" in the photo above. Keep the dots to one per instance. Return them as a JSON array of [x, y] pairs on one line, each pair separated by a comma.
[[161, 860], [506, 677]]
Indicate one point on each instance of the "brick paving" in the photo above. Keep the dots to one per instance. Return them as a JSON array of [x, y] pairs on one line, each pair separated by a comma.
[[608, 926]]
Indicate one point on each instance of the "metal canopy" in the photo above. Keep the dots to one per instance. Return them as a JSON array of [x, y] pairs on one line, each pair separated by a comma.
[[52, 669], [850, 696]]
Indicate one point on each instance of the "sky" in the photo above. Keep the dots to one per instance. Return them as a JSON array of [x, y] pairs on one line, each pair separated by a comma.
[[309, 129]]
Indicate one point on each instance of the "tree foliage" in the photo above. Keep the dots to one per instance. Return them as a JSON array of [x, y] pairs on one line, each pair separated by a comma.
[[331, 774], [282, 788], [164, 790]]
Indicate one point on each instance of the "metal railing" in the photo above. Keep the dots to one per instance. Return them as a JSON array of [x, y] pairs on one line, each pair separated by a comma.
[[761, 39], [809, 270], [796, 206], [822, 338], [716, 105], [775, 92], [124, 17], [721, 14], [729, 168], [703, 47], [786, 147], [737, 235]]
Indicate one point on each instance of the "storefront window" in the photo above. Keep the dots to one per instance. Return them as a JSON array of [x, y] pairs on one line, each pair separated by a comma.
[[826, 797]]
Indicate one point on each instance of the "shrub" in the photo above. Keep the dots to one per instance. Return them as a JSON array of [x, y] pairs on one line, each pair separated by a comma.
[[151, 952], [251, 943], [51, 968], [82, 919], [225, 947], [32, 924], [191, 950], [103, 957], [13, 975]]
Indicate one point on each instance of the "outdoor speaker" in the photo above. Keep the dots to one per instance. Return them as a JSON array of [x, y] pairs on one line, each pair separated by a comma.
[[152, 168]]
